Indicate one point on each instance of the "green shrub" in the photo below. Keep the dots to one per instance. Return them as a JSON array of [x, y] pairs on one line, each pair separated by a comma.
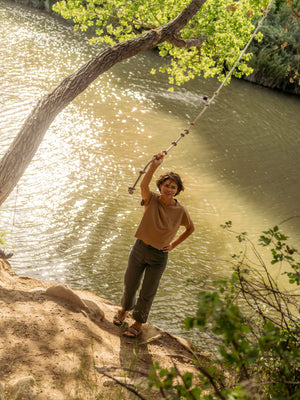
[[256, 326]]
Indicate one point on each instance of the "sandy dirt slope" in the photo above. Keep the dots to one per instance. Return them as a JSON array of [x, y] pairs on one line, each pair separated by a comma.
[[53, 337]]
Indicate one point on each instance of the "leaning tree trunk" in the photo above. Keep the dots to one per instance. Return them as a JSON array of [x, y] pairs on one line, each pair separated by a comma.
[[23, 148]]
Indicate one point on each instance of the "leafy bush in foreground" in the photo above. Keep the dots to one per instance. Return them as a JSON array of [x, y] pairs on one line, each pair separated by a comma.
[[256, 325]]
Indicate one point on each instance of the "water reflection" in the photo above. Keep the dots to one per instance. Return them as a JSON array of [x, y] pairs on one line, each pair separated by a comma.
[[71, 217]]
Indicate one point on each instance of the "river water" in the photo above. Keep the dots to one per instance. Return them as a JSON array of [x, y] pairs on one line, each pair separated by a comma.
[[71, 219]]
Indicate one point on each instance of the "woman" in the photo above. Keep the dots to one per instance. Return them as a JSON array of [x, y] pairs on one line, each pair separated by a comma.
[[162, 218]]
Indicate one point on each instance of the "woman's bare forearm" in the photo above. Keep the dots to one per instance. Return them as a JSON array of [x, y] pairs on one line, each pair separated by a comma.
[[145, 190]]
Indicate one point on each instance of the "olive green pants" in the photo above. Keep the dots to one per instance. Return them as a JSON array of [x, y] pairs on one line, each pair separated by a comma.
[[144, 261]]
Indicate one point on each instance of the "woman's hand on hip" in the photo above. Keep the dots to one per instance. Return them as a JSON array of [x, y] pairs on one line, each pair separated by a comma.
[[167, 248]]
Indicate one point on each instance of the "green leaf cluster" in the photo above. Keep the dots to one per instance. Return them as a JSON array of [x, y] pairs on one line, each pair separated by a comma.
[[228, 25], [167, 382], [282, 252]]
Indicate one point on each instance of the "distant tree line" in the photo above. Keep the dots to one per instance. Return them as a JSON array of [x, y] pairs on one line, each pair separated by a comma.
[[276, 58]]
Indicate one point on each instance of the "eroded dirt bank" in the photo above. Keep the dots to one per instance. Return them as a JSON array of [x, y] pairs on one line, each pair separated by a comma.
[[53, 337]]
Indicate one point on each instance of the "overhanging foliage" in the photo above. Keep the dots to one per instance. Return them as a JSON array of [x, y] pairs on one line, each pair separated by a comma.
[[207, 45]]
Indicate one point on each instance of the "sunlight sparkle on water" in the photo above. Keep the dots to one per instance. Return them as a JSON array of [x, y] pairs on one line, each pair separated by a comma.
[[74, 218], [108, 242]]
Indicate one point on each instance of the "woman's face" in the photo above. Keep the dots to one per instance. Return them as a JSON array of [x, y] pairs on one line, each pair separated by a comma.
[[168, 188]]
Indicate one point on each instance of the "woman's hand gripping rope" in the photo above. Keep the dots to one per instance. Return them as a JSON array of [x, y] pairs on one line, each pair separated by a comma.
[[157, 157]]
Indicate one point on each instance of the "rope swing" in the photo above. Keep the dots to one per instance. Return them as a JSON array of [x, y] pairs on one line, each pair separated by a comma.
[[205, 100]]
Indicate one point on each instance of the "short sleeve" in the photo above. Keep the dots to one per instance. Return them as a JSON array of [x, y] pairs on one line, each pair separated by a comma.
[[185, 220], [146, 203]]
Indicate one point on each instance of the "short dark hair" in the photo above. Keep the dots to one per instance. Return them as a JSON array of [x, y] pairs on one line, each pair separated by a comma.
[[174, 177]]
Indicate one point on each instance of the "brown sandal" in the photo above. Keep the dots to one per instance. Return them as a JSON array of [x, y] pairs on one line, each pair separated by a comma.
[[133, 331], [119, 318]]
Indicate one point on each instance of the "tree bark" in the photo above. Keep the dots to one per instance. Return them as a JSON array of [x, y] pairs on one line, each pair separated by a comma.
[[24, 146]]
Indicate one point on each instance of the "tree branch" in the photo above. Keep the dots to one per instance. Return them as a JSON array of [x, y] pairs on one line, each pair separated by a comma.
[[23, 148], [103, 372], [186, 44]]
